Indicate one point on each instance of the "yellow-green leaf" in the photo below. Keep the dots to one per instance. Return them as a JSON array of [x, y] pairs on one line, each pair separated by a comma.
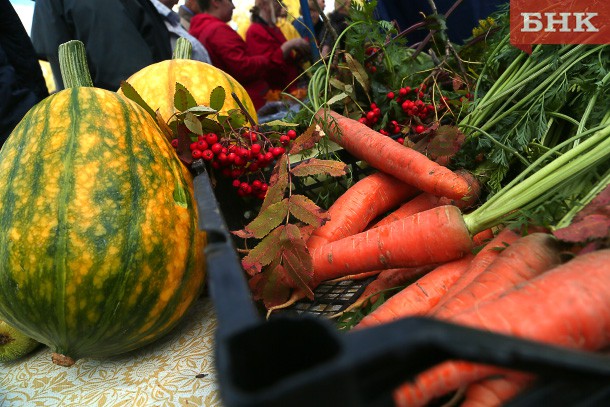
[[315, 166], [278, 182], [265, 252], [268, 219], [307, 140], [358, 71], [305, 210]]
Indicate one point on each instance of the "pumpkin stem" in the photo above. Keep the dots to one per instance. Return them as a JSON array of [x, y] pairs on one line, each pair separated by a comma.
[[62, 360], [183, 50], [73, 65]]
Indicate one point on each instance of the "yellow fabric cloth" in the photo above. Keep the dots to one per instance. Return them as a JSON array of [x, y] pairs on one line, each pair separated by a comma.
[[177, 370], [287, 29]]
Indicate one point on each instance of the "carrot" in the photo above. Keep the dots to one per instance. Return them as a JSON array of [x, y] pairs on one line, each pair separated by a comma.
[[567, 306], [368, 198], [420, 203], [435, 236], [496, 391], [387, 280], [393, 158], [524, 259], [425, 201], [483, 237], [480, 262], [418, 298]]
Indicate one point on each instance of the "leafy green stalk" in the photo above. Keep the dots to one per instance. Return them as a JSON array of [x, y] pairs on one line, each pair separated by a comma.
[[524, 193]]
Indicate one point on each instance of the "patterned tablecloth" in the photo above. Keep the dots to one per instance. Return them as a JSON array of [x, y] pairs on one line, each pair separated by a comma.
[[177, 370]]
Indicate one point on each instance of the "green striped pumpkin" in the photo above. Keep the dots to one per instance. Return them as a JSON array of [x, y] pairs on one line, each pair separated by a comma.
[[100, 251], [156, 84]]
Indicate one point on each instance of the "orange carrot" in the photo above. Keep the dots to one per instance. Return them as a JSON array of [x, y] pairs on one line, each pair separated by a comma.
[[425, 201], [419, 297], [567, 306], [523, 260], [359, 205], [387, 280], [483, 237], [480, 262], [435, 236], [393, 158], [496, 391], [420, 203]]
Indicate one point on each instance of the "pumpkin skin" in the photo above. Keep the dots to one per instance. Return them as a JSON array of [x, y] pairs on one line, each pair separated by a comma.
[[156, 84], [100, 250]]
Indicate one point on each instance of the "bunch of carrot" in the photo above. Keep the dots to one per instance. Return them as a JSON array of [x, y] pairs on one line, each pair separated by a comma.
[[407, 224]]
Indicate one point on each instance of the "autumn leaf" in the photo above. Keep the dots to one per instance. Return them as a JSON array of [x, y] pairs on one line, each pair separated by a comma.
[[184, 144], [358, 71], [296, 260], [305, 210], [314, 166], [167, 131], [278, 182], [264, 253], [447, 141], [307, 140], [268, 219], [268, 287], [591, 223]]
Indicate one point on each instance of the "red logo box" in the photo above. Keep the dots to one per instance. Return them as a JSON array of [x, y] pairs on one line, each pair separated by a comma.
[[559, 22]]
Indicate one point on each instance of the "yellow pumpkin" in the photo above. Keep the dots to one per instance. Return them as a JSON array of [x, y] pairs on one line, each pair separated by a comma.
[[156, 84]]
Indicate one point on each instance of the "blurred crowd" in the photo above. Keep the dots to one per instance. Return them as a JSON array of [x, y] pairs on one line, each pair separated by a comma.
[[267, 57]]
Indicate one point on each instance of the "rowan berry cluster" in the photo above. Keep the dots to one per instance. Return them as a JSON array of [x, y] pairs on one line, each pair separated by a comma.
[[242, 156], [417, 112]]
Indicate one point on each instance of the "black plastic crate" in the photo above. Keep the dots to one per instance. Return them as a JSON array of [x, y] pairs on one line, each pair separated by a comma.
[[257, 364]]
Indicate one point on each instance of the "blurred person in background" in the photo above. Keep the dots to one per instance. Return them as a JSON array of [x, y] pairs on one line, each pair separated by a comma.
[[176, 30], [186, 11], [229, 52], [22, 84], [313, 36], [120, 36], [264, 37], [338, 19]]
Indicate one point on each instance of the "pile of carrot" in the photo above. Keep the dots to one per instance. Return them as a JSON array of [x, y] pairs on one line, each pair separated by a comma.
[[407, 224]]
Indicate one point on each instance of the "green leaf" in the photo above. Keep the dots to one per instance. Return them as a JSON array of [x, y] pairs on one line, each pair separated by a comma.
[[280, 123], [305, 210], [210, 126], [265, 252], [315, 166], [268, 219], [236, 118], [130, 92], [201, 111], [278, 182], [337, 98], [183, 100], [192, 123], [217, 98]]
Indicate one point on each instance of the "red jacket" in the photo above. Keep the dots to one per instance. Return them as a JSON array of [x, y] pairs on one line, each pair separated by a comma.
[[228, 51], [264, 39]]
